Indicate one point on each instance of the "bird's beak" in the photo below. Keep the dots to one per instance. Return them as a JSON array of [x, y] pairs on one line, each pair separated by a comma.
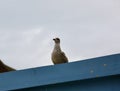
[[54, 39]]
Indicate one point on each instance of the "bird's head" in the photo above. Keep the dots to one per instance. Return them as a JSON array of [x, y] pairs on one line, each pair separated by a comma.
[[56, 40]]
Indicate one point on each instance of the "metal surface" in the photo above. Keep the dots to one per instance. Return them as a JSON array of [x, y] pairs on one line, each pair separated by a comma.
[[96, 74]]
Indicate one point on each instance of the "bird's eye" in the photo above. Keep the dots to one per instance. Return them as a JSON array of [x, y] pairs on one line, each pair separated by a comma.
[[57, 38]]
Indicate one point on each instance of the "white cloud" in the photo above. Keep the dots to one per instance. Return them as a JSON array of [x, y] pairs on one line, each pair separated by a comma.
[[86, 28]]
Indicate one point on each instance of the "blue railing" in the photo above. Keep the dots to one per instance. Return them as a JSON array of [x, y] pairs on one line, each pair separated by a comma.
[[96, 74]]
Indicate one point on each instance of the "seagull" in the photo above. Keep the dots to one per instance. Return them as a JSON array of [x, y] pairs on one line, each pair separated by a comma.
[[5, 68], [58, 56]]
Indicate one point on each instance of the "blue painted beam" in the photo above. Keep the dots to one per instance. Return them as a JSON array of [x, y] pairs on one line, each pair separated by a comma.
[[104, 68], [110, 83]]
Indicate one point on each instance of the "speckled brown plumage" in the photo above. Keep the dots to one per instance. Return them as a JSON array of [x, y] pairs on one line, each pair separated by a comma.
[[58, 56], [5, 68]]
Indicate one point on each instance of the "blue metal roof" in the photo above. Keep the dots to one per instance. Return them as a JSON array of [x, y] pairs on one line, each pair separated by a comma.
[[61, 73]]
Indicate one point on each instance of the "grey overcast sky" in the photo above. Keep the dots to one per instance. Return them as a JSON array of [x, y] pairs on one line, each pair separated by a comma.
[[87, 28]]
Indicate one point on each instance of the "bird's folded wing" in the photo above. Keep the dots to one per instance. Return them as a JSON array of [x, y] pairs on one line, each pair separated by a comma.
[[64, 57]]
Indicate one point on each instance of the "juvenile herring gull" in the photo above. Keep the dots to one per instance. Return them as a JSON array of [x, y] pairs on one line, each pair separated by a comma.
[[58, 56]]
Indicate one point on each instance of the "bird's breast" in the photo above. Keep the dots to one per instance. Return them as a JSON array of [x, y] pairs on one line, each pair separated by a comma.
[[57, 58]]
